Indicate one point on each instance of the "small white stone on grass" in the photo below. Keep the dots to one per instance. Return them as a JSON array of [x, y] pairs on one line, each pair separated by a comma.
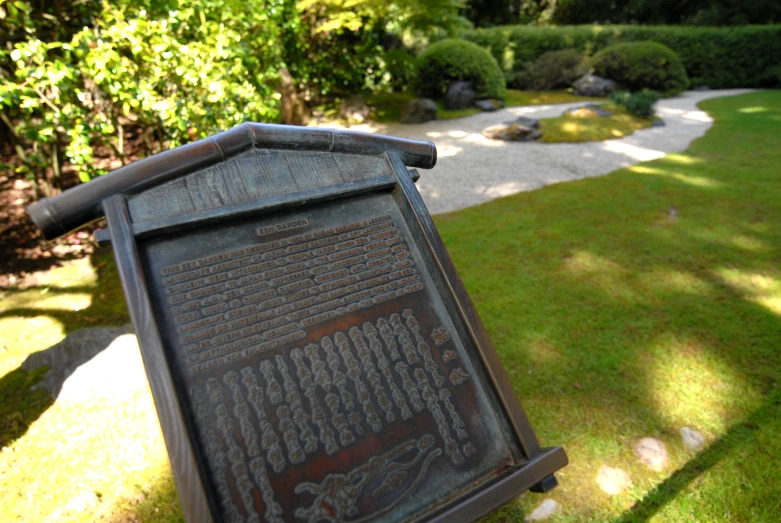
[[612, 480], [652, 453], [543, 511], [692, 439]]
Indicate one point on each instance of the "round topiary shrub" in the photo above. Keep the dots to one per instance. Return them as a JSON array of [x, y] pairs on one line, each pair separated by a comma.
[[642, 65], [451, 60]]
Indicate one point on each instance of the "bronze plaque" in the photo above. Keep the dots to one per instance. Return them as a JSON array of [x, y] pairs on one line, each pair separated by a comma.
[[326, 379], [312, 354]]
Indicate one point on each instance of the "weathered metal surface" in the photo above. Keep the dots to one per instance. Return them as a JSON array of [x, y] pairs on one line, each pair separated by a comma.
[[312, 353], [314, 338]]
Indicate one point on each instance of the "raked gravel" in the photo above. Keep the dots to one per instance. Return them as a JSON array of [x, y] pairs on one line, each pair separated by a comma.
[[472, 169]]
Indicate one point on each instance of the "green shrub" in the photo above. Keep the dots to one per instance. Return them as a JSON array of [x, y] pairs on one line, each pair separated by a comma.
[[642, 65], [640, 103], [719, 57], [555, 69], [451, 60], [401, 68]]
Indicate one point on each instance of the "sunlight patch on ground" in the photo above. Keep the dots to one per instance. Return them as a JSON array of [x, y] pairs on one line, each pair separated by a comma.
[[635, 152], [762, 289], [689, 388], [504, 189], [445, 150], [603, 274], [696, 181], [756, 109], [109, 457], [19, 334], [47, 299], [675, 281]]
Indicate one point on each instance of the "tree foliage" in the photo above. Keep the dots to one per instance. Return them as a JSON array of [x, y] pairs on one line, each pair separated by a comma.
[[76, 75]]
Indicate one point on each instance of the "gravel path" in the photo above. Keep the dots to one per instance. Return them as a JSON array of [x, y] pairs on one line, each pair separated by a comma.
[[473, 169]]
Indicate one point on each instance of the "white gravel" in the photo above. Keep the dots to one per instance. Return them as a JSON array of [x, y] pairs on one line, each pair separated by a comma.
[[473, 169]]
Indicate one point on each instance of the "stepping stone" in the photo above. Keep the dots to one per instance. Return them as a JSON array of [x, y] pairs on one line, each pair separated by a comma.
[[612, 481], [692, 440], [543, 511], [652, 453]]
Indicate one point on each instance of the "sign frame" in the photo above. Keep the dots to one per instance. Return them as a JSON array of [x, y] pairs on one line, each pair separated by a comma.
[[111, 199]]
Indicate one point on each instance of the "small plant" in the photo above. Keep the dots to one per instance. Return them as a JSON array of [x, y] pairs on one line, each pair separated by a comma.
[[640, 103], [642, 65], [556, 69], [450, 60]]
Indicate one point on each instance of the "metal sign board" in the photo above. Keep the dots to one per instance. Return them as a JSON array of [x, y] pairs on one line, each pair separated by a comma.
[[312, 353]]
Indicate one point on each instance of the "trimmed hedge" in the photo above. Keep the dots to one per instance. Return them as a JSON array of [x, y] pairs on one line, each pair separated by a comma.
[[450, 60], [642, 65], [719, 57]]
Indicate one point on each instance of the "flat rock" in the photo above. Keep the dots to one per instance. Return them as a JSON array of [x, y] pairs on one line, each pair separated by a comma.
[[420, 110], [67, 356], [459, 95], [489, 105], [526, 121], [543, 511], [612, 481], [588, 111], [658, 123], [514, 133], [652, 453], [692, 439], [593, 85]]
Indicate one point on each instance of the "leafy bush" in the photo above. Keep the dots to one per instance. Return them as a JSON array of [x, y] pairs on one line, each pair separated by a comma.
[[719, 57], [640, 103], [450, 60], [401, 68], [556, 69], [642, 65]]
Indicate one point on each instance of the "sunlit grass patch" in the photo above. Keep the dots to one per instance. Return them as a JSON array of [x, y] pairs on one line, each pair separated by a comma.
[[569, 128]]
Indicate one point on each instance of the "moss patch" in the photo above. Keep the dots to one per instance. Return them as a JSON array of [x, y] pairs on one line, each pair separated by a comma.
[[591, 128]]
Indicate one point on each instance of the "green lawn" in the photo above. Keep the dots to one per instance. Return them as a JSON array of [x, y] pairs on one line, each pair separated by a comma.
[[622, 307], [567, 128], [386, 107]]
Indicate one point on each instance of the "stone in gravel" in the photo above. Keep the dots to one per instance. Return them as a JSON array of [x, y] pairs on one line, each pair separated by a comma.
[[355, 109], [488, 105], [419, 111], [459, 95], [75, 350], [588, 111], [513, 133], [652, 453], [658, 123], [526, 121], [543, 511], [692, 439], [612, 480], [593, 85]]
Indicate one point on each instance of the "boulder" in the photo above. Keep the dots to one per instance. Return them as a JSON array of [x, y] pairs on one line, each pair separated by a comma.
[[526, 121], [588, 111], [460, 95], [355, 110], [593, 85], [658, 123], [489, 104], [418, 111], [513, 132]]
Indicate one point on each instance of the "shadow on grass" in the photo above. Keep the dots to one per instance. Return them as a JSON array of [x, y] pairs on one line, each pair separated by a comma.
[[29, 390], [740, 436]]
